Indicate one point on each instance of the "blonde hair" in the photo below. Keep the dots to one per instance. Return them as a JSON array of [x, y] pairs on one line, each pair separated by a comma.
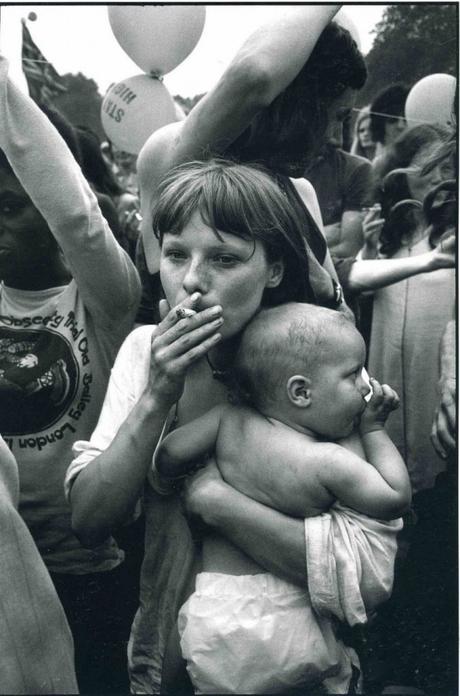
[[356, 147]]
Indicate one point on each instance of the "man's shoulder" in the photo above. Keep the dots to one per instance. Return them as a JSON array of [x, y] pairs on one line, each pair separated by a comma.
[[356, 175]]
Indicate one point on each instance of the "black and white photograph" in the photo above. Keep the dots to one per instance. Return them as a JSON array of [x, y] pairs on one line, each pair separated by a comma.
[[228, 349]]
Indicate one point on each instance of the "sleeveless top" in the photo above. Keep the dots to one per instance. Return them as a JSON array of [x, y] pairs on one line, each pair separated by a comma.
[[311, 233]]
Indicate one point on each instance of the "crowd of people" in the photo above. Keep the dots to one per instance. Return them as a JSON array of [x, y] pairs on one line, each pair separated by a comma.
[[202, 490]]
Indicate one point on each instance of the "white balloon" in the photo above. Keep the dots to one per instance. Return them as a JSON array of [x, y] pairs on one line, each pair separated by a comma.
[[344, 20], [431, 100], [133, 109], [157, 37]]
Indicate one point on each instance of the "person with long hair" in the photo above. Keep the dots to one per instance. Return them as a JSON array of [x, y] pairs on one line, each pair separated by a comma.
[[362, 144], [415, 635], [410, 316]]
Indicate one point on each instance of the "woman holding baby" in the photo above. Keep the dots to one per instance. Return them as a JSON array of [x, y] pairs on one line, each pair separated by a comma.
[[228, 240]]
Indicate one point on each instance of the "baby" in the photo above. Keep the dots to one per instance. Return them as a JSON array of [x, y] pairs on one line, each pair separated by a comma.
[[299, 371]]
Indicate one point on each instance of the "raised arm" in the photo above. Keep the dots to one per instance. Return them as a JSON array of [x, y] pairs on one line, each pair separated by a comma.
[[263, 67], [45, 167], [371, 274]]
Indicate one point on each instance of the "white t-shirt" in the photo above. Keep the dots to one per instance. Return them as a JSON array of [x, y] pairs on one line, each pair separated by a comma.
[[57, 345]]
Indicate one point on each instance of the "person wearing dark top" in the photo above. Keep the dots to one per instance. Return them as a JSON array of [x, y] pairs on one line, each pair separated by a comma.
[[343, 184]]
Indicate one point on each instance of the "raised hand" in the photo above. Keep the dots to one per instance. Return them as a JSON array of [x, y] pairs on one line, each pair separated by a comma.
[[183, 337], [384, 400], [444, 253]]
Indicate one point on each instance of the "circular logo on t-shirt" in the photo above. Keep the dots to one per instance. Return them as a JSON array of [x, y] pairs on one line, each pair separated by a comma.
[[38, 379]]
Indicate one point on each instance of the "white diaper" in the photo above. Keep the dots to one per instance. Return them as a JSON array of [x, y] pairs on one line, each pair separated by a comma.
[[258, 634]]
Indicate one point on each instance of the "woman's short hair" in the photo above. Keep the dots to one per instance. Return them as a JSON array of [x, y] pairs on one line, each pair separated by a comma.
[[292, 128], [242, 200], [394, 186]]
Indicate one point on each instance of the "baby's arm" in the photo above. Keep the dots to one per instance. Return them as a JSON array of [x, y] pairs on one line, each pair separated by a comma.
[[178, 453], [381, 490]]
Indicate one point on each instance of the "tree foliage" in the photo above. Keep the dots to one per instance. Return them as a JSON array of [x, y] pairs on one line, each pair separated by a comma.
[[412, 41], [81, 104]]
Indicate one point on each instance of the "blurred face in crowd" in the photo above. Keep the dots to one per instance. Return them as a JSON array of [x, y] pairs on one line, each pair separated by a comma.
[[364, 133], [25, 239], [420, 185], [124, 160]]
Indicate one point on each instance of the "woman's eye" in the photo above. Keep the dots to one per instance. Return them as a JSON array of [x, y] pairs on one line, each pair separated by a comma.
[[174, 255], [226, 259]]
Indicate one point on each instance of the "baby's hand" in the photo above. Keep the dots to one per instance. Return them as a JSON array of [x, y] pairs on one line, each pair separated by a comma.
[[384, 400]]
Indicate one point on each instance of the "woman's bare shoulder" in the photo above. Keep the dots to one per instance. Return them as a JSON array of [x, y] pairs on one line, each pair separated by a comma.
[[308, 195], [305, 190]]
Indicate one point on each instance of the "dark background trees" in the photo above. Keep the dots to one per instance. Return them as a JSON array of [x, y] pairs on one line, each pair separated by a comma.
[[412, 41], [81, 104]]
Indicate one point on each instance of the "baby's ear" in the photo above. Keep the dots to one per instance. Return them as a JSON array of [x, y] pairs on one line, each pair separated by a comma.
[[298, 390]]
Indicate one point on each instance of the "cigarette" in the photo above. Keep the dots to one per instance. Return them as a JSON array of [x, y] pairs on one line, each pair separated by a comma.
[[365, 377], [183, 312]]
